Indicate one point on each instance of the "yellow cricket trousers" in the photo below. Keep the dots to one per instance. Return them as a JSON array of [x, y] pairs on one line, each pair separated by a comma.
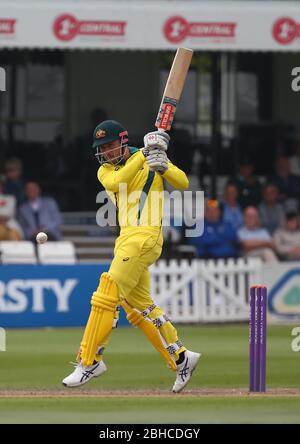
[[134, 253]]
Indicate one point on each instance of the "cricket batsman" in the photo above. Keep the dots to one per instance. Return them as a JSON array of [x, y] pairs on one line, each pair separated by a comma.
[[141, 173]]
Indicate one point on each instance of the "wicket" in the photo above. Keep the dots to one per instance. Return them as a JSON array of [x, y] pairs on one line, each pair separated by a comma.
[[257, 338]]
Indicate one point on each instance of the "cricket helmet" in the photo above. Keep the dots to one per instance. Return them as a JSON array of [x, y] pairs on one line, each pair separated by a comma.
[[107, 132]]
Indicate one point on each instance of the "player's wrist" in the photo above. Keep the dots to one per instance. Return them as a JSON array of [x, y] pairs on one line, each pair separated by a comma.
[[163, 170]]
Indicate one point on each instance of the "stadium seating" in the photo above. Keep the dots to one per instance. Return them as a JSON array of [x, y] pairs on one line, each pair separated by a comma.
[[92, 243], [62, 252], [17, 252]]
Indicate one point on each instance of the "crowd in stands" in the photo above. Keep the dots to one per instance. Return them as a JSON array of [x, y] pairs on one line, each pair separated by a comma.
[[254, 219], [23, 210]]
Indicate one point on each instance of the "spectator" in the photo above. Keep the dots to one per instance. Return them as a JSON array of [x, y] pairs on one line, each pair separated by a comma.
[[270, 210], [8, 210], [7, 229], [287, 239], [287, 183], [232, 212], [13, 179], [39, 214], [219, 239], [256, 241], [248, 185]]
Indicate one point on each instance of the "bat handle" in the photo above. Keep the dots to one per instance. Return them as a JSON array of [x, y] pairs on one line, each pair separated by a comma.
[[161, 130]]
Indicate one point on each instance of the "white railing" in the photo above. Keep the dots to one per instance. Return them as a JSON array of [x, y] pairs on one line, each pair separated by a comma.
[[205, 291]]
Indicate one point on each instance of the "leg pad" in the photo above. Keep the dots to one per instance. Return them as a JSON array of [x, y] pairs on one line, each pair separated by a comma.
[[150, 331], [134, 317], [104, 302]]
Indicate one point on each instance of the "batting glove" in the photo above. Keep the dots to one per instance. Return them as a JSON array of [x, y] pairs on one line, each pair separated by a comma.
[[157, 160], [156, 140]]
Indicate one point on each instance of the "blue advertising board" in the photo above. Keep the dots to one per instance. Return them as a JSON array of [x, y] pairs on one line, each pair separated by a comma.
[[48, 295]]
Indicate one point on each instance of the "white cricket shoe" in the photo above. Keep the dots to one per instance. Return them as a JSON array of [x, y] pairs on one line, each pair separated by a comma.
[[83, 374], [185, 370]]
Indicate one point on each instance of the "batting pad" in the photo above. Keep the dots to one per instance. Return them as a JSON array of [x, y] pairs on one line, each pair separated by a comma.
[[100, 322], [148, 328]]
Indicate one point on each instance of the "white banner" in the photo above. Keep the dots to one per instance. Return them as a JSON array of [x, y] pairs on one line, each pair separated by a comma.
[[265, 26], [218, 291], [283, 283]]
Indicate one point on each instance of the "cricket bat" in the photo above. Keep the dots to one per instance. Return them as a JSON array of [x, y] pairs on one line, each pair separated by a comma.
[[173, 89]]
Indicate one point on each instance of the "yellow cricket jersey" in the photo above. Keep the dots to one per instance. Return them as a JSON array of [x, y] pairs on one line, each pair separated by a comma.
[[138, 192]]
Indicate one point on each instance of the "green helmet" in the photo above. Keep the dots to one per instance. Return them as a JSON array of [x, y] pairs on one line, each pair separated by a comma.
[[108, 131]]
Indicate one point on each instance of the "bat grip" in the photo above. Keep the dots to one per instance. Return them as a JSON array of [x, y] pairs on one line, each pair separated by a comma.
[[161, 130]]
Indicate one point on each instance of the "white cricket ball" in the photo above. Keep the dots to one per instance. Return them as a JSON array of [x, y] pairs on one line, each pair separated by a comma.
[[41, 238]]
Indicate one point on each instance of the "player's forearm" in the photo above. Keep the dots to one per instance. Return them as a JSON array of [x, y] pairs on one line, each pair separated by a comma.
[[294, 252], [281, 247], [176, 177], [112, 179]]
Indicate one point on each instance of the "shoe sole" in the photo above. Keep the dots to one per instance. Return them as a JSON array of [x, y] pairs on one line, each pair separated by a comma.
[[82, 383], [198, 359]]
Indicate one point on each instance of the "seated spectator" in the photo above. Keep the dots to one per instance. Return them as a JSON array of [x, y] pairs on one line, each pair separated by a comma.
[[270, 210], [287, 239], [256, 241], [232, 212], [13, 179], [39, 214], [287, 183], [7, 229], [248, 185], [219, 239], [8, 210]]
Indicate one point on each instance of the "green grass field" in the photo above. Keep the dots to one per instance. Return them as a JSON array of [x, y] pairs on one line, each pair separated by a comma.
[[38, 360]]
